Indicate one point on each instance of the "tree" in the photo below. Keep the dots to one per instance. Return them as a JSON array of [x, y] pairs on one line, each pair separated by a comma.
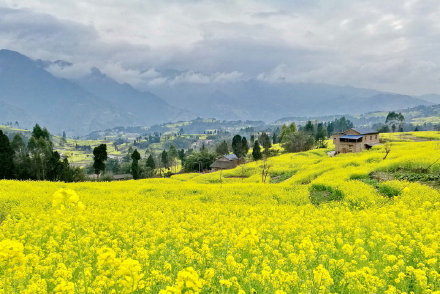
[[113, 165], [64, 138], [55, 167], [384, 129], [393, 127], [387, 150], [199, 161], [309, 128], [396, 120], [298, 142], [6, 157], [181, 154], [237, 147], [252, 139], [150, 162], [150, 166], [264, 139], [286, 131], [38, 132], [222, 148], [339, 125], [244, 146], [172, 155], [264, 170], [321, 135], [135, 170], [99, 158], [274, 138], [164, 159], [41, 151], [256, 151], [22, 161]]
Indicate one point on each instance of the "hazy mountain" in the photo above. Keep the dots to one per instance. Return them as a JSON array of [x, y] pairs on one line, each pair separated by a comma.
[[255, 99], [140, 107], [434, 98], [417, 115], [31, 94]]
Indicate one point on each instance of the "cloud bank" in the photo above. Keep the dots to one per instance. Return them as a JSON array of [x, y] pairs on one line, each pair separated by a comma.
[[386, 45]]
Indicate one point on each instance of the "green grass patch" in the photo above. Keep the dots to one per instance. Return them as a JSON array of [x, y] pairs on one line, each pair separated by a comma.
[[321, 194]]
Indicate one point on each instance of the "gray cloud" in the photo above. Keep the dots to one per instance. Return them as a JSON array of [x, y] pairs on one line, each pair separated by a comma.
[[387, 45]]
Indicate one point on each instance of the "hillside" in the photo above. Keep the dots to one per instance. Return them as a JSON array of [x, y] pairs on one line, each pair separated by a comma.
[[254, 99], [31, 94], [419, 115], [354, 223]]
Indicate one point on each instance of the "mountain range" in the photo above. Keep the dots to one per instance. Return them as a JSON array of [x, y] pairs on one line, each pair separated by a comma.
[[29, 93]]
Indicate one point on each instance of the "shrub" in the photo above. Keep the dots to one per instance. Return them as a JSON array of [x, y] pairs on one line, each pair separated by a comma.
[[388, 191], [320, 194]]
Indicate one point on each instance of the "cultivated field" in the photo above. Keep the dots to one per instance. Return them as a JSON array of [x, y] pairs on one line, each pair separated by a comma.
[[353, 223]]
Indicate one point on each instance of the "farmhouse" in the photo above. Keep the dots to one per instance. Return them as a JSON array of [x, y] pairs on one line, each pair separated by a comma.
[[225, 162], [355, 140]]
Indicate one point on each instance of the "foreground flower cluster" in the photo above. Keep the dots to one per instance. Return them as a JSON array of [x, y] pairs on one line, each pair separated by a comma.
[[185, 236]]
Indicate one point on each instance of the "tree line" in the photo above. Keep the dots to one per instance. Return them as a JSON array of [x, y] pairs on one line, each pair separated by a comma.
[[34, 159]]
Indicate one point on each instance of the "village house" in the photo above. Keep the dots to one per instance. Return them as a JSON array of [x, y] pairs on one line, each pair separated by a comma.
[[355, 140], [225, 162]]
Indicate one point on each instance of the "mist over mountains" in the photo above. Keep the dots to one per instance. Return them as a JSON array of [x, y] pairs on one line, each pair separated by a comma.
[[29, 93]]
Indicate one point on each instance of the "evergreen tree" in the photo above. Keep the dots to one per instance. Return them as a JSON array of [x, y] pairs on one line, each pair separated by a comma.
[[237, 147], [252, 139], [222, 148], [99, 158], [256, 151], [274, 138], [6, 157], [150, 162], [164, 159], [244, 146], [150, 167], [321, 135], [55, 167], [135, 170], [309, 128], [38, 132], [264, 139], [181, 155], [172, 156]]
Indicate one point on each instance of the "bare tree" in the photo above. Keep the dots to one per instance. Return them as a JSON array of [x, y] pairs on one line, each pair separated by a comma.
[[264, 170], [387, 149]]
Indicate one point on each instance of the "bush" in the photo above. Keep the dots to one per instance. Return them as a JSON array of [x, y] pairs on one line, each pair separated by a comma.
[[388, 191], [320, 194]]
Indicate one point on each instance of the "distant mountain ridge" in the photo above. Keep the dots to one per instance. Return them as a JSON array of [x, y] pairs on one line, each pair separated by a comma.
[[95, 102], [254, 99], [29, 93]]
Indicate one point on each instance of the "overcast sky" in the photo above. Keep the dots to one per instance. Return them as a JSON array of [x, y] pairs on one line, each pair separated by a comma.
[[388, 45]]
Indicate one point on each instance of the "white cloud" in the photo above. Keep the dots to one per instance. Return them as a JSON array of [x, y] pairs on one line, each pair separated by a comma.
[[367, 43]]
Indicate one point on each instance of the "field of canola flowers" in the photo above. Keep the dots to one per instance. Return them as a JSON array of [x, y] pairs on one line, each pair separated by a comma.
[[229, 233]]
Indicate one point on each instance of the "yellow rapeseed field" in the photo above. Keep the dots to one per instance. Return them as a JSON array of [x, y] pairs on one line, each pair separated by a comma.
[[228, 232]]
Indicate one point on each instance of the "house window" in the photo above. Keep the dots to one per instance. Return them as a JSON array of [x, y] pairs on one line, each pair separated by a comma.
[[371, 137]]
